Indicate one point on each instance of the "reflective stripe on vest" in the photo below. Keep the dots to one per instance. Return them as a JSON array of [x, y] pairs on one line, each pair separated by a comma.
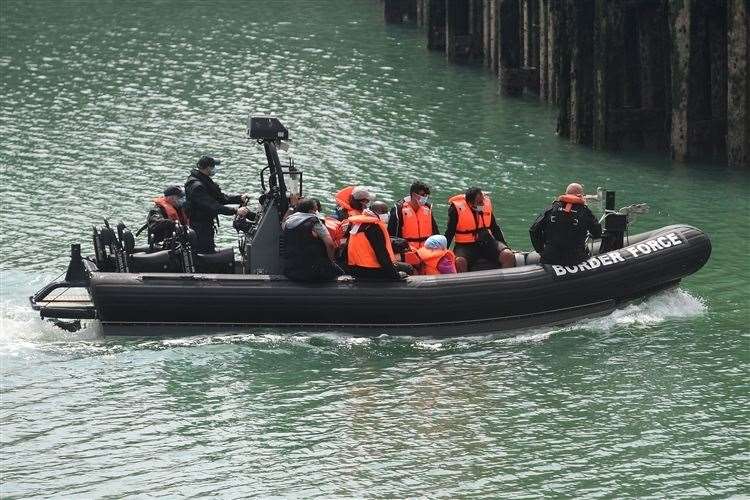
[[177, 215], [430, 259], [416, 227], [359, 252], [469, 222]]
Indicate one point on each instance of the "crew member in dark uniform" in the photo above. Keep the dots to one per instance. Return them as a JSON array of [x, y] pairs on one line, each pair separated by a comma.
[[166, 212], [205, 202], [308, 249], [559, 234]]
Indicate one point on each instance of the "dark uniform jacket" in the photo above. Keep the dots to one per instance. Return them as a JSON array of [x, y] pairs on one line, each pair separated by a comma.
[[205, 202], [305, 256], [560, 236]]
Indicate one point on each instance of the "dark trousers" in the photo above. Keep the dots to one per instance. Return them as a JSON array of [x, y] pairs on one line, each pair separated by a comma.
[[370, 274], [205, 233], [323, 270]]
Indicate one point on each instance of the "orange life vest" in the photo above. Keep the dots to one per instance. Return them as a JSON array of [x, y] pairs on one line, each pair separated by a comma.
[[570, 200], [343, 198], [336, 230], [416, 226], [469, 221], [430, 259], [359, 252], [175, 214]]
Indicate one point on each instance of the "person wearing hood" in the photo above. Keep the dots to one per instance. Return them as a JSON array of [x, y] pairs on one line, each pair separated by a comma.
[[205, 201], [308, 250], [164, 214], [436, 258], [559, 233]]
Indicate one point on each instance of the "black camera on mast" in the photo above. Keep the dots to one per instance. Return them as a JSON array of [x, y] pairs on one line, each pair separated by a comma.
[[266, 128]]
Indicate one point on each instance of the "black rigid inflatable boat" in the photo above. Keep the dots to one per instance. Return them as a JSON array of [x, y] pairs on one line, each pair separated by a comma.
[[122, 286]]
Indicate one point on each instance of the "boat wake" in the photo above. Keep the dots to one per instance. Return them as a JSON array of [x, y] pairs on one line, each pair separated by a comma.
[[22, 329]]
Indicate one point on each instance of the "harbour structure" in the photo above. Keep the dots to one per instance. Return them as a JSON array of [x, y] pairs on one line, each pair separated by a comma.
[[668, 76]]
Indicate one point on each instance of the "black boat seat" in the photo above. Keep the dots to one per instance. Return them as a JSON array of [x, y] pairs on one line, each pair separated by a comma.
[[220, 262], [155, 262]]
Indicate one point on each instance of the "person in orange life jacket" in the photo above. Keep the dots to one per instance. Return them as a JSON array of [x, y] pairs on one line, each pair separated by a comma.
[[400, 245], [351, 200], [437, 259], [472, 223], [559, 233], [411, 218], [308, 248], [167, 210], [369, 254], [205, 202]]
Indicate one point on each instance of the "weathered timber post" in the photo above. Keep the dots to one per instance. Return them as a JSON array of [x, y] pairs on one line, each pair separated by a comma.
[[543, 46], [463, 30], [421, 17], [553, 35], [561, 65], [738, 84], [455, 11], [581, 76], [510, 48], [653, 29], [399, 11], [492, 55], [486, 31], [530, 45], [680, 70], [436, 24]]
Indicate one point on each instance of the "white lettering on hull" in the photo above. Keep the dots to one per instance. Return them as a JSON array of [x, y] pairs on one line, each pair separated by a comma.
[[614, 257]]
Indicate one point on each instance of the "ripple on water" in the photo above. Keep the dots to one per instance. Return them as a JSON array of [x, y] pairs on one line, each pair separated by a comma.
[[104, 106]]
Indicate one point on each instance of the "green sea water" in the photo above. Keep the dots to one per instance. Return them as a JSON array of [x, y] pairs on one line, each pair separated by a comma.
[[103, 103]]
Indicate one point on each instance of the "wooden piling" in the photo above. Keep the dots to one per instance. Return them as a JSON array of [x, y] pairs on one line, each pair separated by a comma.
[[738, 84], [663, 75]]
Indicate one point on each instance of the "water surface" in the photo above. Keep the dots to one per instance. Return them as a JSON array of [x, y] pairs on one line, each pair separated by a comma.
[[105, 103]]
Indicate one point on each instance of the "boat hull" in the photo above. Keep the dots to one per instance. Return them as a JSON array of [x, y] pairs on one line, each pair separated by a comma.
[[470, 303]]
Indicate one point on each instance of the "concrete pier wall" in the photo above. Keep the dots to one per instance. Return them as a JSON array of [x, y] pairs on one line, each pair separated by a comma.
[[664, 75]]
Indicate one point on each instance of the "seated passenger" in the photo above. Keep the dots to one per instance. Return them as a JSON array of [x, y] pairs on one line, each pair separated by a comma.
[[351, 201], [167, 210], [559, 234], [381, 209], [308, 249], [412, 217], [437, 259], [369, 253], [471, 221]]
